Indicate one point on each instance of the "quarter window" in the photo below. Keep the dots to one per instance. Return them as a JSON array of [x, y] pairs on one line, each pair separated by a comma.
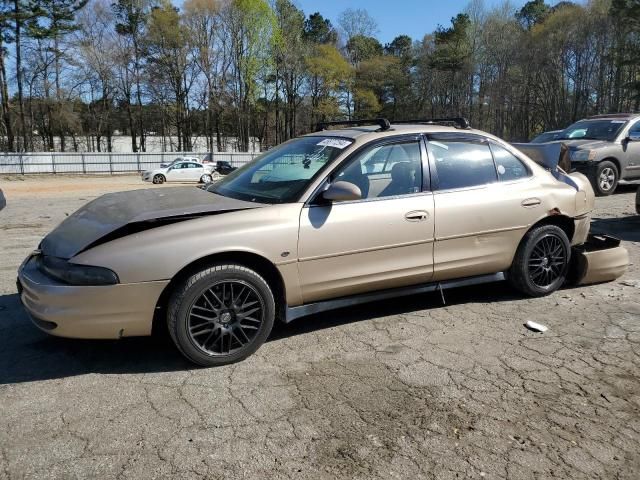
[[507, 164], [386, 170], [461, 164]]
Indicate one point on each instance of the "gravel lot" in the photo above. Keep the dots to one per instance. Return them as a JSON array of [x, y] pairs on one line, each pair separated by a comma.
[[401, 389]]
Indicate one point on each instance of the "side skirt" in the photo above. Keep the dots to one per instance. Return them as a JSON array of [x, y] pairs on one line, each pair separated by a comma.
[[293, 313]]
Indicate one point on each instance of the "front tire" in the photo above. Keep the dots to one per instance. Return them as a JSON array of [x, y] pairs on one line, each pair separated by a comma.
[[206, 178], [158, 179], [606, 178], [221, 315], [541, 262]]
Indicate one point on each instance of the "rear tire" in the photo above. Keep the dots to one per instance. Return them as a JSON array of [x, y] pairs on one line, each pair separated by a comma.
[[541, 262], [606, 178], [206, 178], [158, 179], [221, 315]]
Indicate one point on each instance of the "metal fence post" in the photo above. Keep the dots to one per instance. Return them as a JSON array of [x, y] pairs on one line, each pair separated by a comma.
[[21, 163], [110, 164], [84, 166], [231, 159], [53, 162], [138, 160]]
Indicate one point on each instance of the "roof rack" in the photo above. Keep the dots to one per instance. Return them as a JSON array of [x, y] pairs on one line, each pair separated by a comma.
[[458, 122], [382, 122]]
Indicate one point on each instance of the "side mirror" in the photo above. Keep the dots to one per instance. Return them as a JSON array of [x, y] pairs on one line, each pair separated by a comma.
[[634, 137], [341, 192]]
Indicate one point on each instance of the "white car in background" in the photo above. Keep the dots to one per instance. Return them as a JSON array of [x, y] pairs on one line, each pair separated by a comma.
[[180, 159], [184, 171]]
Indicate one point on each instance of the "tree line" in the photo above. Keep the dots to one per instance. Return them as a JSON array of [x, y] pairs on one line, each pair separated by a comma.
[[76, 72]]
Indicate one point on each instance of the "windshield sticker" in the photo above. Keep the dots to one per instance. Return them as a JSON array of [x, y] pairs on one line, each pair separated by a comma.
[[335, 143]]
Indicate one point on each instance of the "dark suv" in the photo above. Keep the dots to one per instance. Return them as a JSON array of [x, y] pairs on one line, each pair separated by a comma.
[[224, 167], [606, 148]]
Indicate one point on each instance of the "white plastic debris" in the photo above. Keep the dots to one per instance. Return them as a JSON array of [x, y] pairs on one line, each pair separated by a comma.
[[538, 327]]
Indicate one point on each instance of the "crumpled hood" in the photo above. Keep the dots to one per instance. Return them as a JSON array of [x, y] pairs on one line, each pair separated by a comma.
[[583, 144], [109, 213], [546, 154]]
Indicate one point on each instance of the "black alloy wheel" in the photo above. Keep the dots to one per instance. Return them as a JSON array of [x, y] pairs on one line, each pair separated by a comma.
[[221, 314], [225, 317], [541, 262]]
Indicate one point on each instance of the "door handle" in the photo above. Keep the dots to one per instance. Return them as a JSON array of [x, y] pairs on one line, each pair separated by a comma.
[[531, 202], [416, 215]]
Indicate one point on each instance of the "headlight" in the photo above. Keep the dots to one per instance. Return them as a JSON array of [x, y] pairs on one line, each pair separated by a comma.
[[75, 274], [583, 155]]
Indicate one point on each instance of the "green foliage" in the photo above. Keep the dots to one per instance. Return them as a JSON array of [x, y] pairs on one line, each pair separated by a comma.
[[361, 48], [261, 69], [53, 18], [399, 46], [532, 13], [452, 45], [318, 29]]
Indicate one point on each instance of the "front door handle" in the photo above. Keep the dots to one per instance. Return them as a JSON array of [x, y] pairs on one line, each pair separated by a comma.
[[416, 215], [531, 202]]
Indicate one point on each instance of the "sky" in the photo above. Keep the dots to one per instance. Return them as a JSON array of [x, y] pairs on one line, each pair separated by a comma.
[[396, 17]]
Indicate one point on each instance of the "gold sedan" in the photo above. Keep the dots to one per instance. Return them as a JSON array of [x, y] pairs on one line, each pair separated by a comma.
[[334, 218]]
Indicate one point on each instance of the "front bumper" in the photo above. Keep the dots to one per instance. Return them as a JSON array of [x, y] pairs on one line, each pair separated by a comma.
[[586, 168], [110, 311]]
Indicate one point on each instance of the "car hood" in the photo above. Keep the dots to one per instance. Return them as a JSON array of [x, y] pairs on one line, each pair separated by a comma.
[[584, 144], [546, 154], [118, 214]]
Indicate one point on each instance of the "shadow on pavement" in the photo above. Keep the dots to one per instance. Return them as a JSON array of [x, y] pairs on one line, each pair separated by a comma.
[[27, 354], [626, 188], [624, 228], [499, 291]]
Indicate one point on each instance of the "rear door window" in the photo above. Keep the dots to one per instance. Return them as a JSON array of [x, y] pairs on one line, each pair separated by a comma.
[[462, 163], [509, 167]]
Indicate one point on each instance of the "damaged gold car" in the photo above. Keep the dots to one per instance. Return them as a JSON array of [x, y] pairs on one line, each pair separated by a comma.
[[330, 219]]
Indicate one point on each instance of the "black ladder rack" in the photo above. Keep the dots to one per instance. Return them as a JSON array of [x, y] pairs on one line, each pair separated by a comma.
[[382, 122], [458, 122]]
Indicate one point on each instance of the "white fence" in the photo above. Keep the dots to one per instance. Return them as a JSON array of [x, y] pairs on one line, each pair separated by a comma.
[[103, 163]]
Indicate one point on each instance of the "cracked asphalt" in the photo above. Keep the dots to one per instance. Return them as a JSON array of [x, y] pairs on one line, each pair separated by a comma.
[[407, 388]]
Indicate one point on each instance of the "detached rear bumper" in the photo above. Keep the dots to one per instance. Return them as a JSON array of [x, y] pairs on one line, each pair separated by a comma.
[[111, 311], [599, 259]]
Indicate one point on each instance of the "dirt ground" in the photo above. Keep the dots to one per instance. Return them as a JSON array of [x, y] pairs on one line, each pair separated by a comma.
[[401, 389]]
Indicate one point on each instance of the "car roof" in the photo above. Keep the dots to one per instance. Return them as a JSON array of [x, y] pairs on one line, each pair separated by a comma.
[[355, 132]]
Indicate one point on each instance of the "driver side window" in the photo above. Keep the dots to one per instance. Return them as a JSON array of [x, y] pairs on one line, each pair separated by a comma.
[[386, 170], [635, 129]]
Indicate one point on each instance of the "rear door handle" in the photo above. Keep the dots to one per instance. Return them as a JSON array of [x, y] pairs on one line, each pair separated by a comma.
[[416, 215], [531, 202]]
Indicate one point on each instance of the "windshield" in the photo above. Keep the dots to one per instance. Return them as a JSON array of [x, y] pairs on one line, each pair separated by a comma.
[[282, 174], [593, 130], [546, 137]]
